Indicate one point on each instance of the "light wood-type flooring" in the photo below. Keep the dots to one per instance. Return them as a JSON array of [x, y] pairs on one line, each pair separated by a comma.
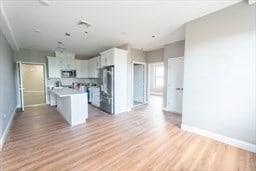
[[144, 139]]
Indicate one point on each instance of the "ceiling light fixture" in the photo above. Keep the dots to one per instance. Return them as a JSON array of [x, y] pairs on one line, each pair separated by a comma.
[[84, 24], [38, 31], [67, 34], [62, 48], [44, 2]]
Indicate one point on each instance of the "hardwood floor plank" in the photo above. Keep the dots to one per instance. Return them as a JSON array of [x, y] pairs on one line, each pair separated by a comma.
[[144, 139]]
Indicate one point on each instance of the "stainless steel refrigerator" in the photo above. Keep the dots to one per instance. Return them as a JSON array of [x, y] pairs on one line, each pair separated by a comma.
[[106, 80]]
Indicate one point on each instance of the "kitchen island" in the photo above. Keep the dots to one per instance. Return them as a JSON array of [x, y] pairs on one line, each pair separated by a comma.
[[71, 104]]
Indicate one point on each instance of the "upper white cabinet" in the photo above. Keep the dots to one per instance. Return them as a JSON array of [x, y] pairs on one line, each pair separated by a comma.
[[107, 58], [67, 61], [53, 67], [93, 66], [81, 68]]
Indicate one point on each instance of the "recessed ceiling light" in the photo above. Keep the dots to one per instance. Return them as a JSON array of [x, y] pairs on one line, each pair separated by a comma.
[[153, 36], [67, 34], [44, 2]]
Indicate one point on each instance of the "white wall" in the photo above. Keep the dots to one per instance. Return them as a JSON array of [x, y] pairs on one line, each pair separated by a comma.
[[219, 78]]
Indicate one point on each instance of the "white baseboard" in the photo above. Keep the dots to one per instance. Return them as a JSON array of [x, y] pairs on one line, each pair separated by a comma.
[[156, 93], [6, 131], [167, 110], [227, 140]]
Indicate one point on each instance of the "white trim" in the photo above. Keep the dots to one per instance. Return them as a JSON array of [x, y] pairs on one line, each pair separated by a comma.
[[45, 78], [227, 140], [156, 93], [145, 82], [35, 105], [167, 110], [168, 83], [250, 2], [6, 131], [6, 28]]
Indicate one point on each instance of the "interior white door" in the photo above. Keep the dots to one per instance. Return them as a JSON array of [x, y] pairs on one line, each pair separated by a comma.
[[138, 83], [175, 84], [21, 88]]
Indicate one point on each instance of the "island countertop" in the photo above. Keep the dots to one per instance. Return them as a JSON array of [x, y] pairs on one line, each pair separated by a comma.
[[62, 92], [72, 104]]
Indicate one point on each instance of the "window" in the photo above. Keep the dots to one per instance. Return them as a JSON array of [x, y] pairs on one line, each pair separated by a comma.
[[159, 76]]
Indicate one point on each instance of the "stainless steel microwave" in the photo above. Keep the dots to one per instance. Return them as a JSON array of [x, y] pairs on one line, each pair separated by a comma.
[[68, 73]]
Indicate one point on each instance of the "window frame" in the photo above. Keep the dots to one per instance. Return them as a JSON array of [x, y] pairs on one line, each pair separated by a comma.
[[156, 76]]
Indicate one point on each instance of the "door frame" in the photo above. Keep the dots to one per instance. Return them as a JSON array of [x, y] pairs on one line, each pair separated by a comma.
[[144, 81], [18, 78], [167, 85]]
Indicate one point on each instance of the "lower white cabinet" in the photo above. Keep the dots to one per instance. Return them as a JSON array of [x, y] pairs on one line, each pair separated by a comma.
[[95, 93]]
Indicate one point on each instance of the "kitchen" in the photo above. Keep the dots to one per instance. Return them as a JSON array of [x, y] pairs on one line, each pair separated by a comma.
[[99, 81]]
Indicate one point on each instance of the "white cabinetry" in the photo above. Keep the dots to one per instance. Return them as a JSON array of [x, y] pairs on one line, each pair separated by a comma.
[[107, 58], [66, 60], [81, 68], [95, 93], [67, 63], [118, 58], [93, 66], [53, 67]]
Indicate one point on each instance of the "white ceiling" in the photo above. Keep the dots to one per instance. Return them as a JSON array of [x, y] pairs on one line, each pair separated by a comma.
[[138, 19]]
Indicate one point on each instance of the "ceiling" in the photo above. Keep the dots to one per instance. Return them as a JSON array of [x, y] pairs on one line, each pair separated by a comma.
[[113, 23]]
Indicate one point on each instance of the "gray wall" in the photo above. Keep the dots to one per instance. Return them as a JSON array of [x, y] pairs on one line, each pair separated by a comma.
[[219, 77], [133, 55], [7, 84], [171, 50], [138, 55], [27, 55], [155, 55]]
